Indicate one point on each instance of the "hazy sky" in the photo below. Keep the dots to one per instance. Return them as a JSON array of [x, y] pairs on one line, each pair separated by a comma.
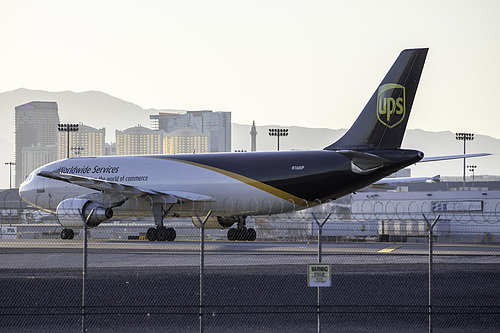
[[305, 63]]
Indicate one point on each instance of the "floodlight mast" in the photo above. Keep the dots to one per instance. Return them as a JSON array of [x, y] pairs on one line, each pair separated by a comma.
[[278, 132], [464, 137], [67, 128], [10, 164]]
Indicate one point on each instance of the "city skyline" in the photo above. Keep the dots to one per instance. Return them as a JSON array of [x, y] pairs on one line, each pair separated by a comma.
[[41, 138]]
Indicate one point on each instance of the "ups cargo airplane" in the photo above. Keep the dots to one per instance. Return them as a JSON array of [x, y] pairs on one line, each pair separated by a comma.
[[234, 185]]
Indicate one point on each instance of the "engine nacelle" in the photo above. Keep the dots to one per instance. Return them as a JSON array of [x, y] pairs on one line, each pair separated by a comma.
[[72, 213], [215, 222]]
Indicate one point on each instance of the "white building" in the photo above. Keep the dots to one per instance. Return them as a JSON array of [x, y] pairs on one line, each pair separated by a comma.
[[216, 125], [186, 141]]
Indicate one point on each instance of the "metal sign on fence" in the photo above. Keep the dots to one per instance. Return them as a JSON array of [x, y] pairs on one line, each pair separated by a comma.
[[319, 275]]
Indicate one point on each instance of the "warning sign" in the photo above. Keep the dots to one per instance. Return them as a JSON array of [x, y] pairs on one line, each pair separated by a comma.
[[319, 275]]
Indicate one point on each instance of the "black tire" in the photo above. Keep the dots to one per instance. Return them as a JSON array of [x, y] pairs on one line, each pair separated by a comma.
[[71, 234], [151, 234], [252, 234], [242, 234], [231, 234], [171, 234], [65, 233], [161, 234]]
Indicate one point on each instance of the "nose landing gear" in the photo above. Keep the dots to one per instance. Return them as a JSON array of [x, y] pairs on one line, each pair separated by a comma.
[[161, 233], [67, 234]]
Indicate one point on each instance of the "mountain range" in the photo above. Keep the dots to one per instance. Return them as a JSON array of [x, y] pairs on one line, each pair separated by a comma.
[[98, 110]]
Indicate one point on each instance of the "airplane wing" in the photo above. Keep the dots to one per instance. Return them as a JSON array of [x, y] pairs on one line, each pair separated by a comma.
[[452, 157], [123, 189]]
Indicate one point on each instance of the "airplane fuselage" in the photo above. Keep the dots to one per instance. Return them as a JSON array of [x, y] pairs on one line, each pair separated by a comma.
[[258, 183]]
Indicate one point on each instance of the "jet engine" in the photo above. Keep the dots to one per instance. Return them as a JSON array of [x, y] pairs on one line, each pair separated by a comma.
[[219, 222], [72, 213]]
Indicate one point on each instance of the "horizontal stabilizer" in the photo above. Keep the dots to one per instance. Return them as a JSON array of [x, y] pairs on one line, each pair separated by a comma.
[[452, 157]]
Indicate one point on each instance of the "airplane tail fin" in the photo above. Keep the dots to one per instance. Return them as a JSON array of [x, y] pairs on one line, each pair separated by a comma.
[[382, 123]]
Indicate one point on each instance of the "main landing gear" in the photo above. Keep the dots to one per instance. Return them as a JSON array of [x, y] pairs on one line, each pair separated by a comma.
[[67, 234], [241, 233], [160, 233]]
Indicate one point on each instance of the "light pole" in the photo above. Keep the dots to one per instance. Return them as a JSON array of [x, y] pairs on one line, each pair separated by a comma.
[[10, 164], [78, 150], [278, 132], [472, 168], [464, 137], [67, 128]]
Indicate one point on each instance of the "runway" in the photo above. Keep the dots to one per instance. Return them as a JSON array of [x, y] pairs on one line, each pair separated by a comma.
[[18, 253], [248, 287]]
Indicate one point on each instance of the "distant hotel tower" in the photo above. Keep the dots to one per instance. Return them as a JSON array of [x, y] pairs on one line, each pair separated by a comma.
[[185, 141], [139, 141], [87, 141], [36, 136], [214, 125], [253, 134]]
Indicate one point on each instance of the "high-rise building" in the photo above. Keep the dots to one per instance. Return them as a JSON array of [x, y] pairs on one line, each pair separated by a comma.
[[87, 141], [215, 124], [253, 135], [185, 141], [35, 126], [36, 156], [139, 141]]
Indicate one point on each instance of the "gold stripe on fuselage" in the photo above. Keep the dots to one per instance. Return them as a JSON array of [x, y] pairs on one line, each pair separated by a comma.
[[249, 181]]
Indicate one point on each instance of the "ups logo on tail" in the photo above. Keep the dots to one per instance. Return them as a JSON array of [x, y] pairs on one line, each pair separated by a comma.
[[391, 104]]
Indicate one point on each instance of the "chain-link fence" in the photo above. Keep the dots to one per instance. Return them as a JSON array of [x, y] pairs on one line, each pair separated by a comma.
[[377, 249]]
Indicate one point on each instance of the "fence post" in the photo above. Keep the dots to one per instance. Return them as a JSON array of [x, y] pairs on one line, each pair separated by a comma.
[[320, 232], [202, 267], [431, 234], [84, 277]]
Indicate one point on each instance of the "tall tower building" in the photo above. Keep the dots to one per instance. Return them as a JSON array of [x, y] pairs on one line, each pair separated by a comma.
[[253, 134], [35, 126], [139, 141], [87, 141], [217, 125], [36, 156]]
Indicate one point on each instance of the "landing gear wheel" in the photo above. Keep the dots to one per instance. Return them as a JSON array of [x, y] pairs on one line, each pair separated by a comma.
[[151, 234], [171, 234], [242, 234], [161, 233], [252, 234], [67, 234], [231, 234]]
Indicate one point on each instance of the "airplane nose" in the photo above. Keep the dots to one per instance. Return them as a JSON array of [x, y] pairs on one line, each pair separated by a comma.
[[27, 189], [23, 190]]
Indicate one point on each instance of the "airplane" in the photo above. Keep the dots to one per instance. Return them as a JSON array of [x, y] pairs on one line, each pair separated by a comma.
[[229, 187], [393, 183]]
